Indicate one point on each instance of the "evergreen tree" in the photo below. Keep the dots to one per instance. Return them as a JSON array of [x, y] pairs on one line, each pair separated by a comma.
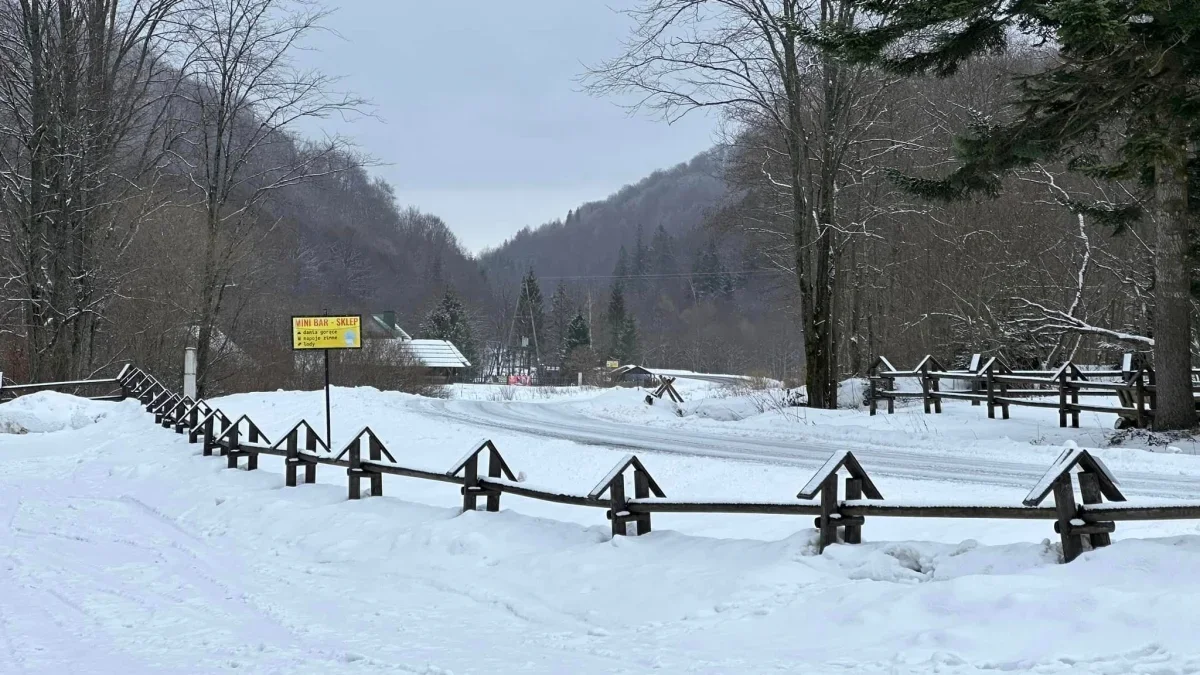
[[448, 320], [662, 252], [664, 264], [560, 319], [530, 320], [627, 342], [1122, 83], [709, 278], [616, 323], [621, 270], [639, 266], [578, 335]]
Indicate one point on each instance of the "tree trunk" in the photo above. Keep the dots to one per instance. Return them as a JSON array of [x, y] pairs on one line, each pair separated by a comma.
[[1176, 408], [210, 295]]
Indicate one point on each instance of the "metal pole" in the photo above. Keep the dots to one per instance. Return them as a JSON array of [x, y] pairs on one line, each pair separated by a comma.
[[328, 418]]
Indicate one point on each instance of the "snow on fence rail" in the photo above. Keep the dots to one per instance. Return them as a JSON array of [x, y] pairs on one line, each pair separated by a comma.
[[992, 382], [1080, 526]]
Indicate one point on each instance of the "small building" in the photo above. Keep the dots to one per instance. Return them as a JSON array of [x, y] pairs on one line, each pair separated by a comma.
[[442, 357], [635, 375]]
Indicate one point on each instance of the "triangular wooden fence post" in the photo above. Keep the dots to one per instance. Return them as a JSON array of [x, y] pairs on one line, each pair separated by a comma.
[[1067, 376], [468, 467], [825, 483], [207, 429], [130, 380], [613, 483], [977, 384], [232, 447], [1096, 483], [294, 458], [930, 383], [150, 392], [875, 378], [172, 415], [357, 470], [190, 419], [162, 406], [996, 391]]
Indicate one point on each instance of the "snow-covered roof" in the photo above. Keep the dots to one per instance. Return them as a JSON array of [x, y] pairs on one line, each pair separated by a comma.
[[383, 326], [437, 354]]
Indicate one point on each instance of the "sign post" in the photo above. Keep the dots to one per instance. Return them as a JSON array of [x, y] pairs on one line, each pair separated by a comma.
[[325, 333]]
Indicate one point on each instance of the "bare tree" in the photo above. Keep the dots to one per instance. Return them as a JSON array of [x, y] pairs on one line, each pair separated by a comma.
[[752, 59], [81, 115], [243, 95]]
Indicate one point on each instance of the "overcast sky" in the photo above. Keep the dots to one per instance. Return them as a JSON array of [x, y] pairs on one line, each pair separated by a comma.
[[482, 121]]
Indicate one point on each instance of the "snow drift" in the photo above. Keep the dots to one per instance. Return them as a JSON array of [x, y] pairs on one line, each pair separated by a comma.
[[49, 411]]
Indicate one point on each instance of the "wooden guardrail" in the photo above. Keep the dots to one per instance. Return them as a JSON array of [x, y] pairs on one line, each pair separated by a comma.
[[1082, 524], [111, 385], [993, 383]]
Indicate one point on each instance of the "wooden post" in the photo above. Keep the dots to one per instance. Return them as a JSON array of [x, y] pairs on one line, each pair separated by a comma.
[[1089, 491], [1064, 505], [1139, 398], [1062, 398], [1153, 392], [208, 435], [641, 490], [354, 473], [252, 456], [853, 491], [470, 489], [193, 417], [292, 461], [234, 444], [375, 448], [890, 383], [1075, 405], [925, 386], [976, 384], [829, 509], [494, 461], [991, 391], [872, 400], [936, 387], [310, 444], [617, 503]]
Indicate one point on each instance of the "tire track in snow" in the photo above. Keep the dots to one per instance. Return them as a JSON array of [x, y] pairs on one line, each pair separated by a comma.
[[549, 421]]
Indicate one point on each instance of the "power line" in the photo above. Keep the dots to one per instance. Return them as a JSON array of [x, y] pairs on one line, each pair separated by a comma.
[[676, 275]]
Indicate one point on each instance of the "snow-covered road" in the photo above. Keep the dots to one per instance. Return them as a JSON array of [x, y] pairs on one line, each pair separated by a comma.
[[902, 458]]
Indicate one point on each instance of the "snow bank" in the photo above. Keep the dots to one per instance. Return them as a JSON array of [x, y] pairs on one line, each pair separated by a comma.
[[49, 411]]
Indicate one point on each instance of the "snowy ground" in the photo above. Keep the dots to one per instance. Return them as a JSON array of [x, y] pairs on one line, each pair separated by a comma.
[[127, 552]]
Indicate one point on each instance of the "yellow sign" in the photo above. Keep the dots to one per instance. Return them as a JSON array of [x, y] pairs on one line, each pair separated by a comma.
[[326, 332], [613, 364]]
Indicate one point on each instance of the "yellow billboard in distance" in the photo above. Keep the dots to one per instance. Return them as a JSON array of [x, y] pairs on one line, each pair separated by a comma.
[[326, 332]]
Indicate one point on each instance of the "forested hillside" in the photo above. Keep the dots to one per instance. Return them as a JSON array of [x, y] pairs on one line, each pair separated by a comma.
[[586, 241]]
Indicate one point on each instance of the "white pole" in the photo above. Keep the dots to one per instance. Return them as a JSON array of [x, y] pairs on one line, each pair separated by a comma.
[[189, 372], [580, 379]]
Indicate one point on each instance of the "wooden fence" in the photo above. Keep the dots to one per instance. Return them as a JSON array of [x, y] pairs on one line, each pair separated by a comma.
[[1082, 524], [110, 386], [993, 383]]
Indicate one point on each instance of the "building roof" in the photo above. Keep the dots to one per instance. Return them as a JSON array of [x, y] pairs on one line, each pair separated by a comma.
[[437, 354], [383, 326]]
